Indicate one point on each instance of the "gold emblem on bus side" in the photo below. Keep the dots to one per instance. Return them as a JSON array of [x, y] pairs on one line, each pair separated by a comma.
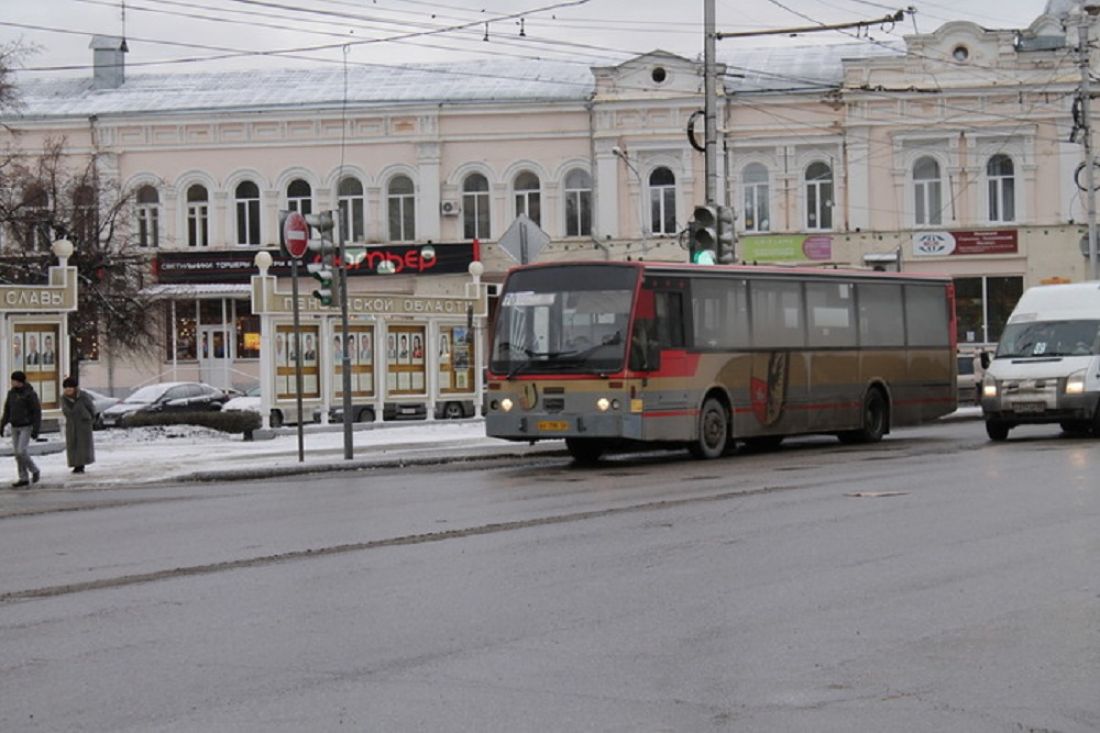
[[769, 395], [530, 395]]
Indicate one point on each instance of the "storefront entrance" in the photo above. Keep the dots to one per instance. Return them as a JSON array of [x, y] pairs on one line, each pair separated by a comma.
[[215, 356]]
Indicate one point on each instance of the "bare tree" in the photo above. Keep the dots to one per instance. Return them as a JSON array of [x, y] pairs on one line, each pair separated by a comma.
[[50, 194]]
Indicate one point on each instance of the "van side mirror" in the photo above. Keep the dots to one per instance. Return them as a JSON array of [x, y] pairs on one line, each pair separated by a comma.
[[985, 359]]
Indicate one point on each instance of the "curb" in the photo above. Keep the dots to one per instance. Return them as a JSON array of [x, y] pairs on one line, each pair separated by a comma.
[[245, 474]]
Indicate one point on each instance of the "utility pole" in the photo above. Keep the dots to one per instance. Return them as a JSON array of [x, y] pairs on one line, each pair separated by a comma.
[[710, 156], [1083, 57]]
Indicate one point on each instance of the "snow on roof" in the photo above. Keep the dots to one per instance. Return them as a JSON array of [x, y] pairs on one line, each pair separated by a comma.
[[785, 68], [497, 80], [483, 81]]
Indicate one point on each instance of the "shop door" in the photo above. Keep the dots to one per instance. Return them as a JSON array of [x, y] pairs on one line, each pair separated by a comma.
[[215, 358]]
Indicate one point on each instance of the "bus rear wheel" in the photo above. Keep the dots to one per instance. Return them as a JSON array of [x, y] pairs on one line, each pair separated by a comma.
[[714, 430], [585, 451], [874, 420]]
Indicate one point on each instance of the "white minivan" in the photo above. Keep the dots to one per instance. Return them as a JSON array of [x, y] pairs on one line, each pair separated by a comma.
[[1047, 365]]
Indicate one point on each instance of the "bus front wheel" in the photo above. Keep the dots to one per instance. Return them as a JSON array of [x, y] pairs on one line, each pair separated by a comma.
[[874, 420], [585, 451], [714, 430], [996, 429]]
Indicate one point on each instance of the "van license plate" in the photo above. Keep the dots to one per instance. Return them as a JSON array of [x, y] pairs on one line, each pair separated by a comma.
[[1029, 406], [553, 425]]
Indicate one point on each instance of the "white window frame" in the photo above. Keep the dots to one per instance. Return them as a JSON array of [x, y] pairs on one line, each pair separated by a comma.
[[578, 195], [821, 209], [302, 204], [753, 193], [928, 193], [147, 218], [197, 219], [352, 227], [477, 202], [662, 199], [524, 197], [406, 207], [995, 192], [249, 207]]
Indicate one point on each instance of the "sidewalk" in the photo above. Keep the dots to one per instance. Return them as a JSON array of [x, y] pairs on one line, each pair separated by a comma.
[[151, 455]]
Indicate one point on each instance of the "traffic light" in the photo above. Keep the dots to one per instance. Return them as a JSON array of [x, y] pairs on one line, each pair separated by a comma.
[[727, 237], [703, 235], [322, 273], [322, 225]]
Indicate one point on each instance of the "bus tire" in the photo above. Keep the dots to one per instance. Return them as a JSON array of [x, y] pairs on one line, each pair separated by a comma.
[[874, 420], [996, 429], [585, 451], [714, 430]]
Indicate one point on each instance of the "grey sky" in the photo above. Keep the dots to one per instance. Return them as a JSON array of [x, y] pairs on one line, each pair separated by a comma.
[[178, 31]]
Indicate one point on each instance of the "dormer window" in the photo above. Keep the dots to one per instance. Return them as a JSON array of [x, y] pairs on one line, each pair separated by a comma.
[[659, 75]]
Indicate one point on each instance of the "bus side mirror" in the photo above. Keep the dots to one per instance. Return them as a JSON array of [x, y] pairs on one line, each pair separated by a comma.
[[984, 358]]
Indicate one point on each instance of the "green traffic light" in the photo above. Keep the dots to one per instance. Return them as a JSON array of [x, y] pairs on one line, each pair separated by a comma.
[[704, 257]]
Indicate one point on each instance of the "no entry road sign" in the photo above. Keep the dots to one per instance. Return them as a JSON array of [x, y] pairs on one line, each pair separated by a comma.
[[296, 234]]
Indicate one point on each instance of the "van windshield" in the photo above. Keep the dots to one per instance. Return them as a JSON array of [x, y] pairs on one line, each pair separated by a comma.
[[1050, 338]]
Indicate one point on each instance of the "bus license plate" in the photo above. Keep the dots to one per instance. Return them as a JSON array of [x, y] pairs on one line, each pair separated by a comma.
[[1029, 406], [551, 426]]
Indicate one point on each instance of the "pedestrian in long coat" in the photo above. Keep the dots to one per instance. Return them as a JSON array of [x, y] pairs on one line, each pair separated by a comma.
[[79, 410]]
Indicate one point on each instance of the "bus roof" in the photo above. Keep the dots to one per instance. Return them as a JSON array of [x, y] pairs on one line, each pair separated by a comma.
[[684, 268]]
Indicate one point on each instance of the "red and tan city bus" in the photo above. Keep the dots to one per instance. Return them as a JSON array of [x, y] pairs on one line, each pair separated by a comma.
[[611, 355]]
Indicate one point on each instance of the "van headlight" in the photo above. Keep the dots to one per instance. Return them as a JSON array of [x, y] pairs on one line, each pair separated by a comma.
[[1075, 383], [989, 388]]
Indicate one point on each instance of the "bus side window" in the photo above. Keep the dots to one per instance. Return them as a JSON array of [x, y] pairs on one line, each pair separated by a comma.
[[670, 319], [645, 352]]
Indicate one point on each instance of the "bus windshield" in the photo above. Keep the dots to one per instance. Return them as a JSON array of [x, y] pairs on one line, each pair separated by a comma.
[[564, 320], [1050, 338]]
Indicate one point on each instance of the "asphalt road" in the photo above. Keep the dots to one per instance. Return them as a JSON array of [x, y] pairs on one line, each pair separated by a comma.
[[933, 582]]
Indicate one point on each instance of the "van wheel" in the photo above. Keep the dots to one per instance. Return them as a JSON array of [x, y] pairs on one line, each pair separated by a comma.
[[714, 430], [585, 451], [1076, 427], [996, 429], [365, 415], [874, 420], [276, 419]]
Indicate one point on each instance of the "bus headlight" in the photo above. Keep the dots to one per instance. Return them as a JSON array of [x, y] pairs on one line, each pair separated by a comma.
[[1075, 383], [989, 389], [506, 404], [603, 404]]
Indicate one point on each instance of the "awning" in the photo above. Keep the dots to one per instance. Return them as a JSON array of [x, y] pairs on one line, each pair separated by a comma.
[[198, 290]]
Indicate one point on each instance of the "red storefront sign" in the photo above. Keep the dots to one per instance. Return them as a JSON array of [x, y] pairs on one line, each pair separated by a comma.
[[979, 242]]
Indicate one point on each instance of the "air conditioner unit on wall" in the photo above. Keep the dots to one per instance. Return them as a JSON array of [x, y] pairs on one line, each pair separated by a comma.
[[448, 208]]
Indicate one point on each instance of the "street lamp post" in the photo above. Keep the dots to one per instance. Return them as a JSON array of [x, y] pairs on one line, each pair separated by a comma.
[[622, 155]]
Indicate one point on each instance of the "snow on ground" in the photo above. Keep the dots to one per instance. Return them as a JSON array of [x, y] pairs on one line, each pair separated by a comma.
[[150, 454]]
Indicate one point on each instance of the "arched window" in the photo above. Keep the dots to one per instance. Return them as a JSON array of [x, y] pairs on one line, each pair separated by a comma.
[[401, 200], [662, 201], [198, 207], [1002, 188], [34, 230], [819, 196], [475, 207], [927, 192], [352, 205], [148, 217], [754, 181], [528, 202], [578, 203], [248, 213], [299, 197], [83, 226]]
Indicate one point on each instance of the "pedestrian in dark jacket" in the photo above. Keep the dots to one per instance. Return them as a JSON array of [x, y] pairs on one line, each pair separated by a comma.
[[24, 413], [79, 410]]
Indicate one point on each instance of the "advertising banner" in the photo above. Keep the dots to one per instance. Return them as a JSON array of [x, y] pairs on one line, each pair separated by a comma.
[[787, 248], [982, 242]]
